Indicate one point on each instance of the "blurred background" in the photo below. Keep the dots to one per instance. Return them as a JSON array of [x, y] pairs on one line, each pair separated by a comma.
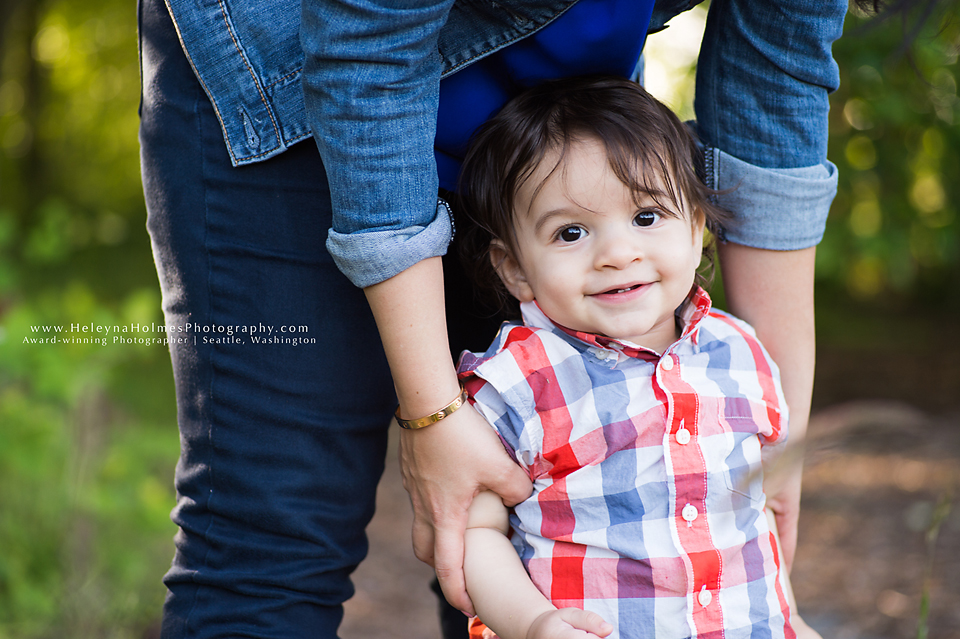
[[88, 437]]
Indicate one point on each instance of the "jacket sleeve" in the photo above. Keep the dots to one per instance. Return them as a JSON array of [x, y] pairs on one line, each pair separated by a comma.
[[371, 84], [763, 78]]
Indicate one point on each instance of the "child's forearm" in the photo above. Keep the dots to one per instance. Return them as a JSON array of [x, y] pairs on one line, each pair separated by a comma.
[[503, 595]]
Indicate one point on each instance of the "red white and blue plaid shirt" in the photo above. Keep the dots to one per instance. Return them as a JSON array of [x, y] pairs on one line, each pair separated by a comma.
[[648, 503]]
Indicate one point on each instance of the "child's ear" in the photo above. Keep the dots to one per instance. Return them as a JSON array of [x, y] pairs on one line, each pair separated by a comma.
[[698, 221], [510, 271]]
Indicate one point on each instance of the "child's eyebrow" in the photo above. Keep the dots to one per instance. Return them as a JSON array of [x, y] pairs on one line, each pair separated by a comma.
[[545, 217]]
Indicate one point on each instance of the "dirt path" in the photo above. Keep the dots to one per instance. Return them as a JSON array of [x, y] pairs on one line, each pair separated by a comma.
[[870, 495]]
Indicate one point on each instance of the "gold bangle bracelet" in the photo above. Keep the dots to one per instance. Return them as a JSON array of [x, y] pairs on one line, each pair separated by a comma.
[[446, 411]]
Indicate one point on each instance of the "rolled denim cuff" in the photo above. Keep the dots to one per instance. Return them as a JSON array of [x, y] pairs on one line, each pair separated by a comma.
[[370, 257], [776, 209]]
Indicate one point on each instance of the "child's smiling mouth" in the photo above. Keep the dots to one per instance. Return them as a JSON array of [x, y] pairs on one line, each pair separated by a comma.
[[622, 291]]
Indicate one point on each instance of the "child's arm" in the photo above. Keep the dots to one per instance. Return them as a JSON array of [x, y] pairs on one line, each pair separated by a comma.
[[503, 595], [799, 625]]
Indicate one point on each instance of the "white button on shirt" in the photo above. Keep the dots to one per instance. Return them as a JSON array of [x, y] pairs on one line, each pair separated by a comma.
[[667, 363], [705, 597], [689, 513], [683, 436]]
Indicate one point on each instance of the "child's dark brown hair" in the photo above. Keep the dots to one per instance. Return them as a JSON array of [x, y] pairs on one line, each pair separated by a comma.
[[649, 149]]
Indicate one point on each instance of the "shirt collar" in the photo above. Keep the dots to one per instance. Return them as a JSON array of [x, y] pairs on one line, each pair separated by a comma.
[[695, 308]]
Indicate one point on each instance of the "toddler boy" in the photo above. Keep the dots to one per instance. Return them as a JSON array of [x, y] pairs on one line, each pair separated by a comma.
[[643, 416]]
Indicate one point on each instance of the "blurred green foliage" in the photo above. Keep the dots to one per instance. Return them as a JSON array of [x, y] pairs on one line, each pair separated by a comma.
[[893, 237], [88, 438]]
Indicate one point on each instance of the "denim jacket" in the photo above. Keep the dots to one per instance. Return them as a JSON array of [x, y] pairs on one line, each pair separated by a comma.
[[362, 78]]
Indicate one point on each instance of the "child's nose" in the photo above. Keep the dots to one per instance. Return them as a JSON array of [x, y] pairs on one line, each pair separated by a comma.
[[618, 251]]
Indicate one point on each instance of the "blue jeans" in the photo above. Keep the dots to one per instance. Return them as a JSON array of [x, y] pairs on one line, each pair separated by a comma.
[[282, 445]]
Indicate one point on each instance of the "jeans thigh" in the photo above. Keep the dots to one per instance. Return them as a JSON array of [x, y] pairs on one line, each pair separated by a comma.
[[283, 391]]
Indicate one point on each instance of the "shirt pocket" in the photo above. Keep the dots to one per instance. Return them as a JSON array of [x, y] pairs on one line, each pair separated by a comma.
[[744, 421]]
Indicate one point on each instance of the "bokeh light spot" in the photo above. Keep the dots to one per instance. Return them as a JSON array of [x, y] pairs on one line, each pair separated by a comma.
[[866, 218], [860, 153]]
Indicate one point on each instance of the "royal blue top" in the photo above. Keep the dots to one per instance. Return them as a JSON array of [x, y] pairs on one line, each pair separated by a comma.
[[593, 36]]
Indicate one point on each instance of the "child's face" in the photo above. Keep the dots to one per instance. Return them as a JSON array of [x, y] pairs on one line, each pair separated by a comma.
[[592, 258]]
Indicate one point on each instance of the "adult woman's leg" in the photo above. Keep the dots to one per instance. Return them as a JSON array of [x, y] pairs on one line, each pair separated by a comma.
[[283, 433]]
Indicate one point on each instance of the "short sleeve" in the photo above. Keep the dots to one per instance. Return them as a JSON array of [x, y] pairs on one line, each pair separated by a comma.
[[500, 389], [758, 376]]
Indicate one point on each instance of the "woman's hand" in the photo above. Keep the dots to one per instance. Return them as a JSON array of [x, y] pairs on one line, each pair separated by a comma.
[[444, 466], [783, 499]]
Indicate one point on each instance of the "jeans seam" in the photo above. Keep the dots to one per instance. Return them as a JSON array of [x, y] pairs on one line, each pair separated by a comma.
[[204, 410], [711, 161], [283, 77]]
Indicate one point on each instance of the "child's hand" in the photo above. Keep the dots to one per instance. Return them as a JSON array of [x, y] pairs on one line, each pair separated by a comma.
[[569, 623]]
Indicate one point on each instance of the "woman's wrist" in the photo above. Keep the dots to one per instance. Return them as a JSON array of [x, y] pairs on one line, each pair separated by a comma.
[[435, 392], [408, 309], [431, 419]]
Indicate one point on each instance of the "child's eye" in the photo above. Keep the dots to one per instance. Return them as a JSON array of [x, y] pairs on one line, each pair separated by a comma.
[[570, 234], [648, 217]]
